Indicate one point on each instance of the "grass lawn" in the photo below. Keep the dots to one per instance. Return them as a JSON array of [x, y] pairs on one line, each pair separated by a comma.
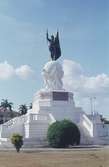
[[71, 158]]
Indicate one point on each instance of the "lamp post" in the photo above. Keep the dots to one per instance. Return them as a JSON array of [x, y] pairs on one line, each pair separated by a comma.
[[94, 98], [92, 105]]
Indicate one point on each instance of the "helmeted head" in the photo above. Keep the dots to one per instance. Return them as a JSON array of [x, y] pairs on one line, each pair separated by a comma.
[[52, 37]]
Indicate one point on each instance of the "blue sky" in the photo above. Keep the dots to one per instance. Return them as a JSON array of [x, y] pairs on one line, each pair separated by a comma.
[[84, 35]]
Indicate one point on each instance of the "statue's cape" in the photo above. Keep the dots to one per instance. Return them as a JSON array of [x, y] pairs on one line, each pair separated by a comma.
[[57, 47]]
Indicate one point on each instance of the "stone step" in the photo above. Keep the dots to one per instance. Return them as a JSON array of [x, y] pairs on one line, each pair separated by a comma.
[[27, 143], [35, 142]]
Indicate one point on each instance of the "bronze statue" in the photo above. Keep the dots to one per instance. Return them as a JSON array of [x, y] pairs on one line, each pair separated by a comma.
[[54, 46]]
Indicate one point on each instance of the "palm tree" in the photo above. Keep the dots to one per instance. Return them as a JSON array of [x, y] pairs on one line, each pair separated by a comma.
[[6, 104], [23, 109], [30, 106]]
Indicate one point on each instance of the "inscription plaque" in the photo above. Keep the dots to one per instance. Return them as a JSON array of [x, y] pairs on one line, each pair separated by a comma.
[[60, 96]]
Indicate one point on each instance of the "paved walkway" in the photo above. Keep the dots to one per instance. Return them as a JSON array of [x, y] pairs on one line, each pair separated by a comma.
[[81, 148]]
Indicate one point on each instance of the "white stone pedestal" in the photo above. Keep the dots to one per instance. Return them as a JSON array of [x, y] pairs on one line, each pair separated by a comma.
[[48, 107], [58, 103]]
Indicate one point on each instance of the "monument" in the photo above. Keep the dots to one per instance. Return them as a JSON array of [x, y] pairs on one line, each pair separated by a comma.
[[54, 46], [53, 103], [53, 96]]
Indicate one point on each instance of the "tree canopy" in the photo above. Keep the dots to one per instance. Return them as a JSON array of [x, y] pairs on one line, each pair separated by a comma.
[[61, 134], [23, 109]]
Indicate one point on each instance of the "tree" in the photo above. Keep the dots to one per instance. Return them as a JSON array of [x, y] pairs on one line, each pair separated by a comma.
[[23, 109], [17, 141], [61, 134], [30, 106], [6, 105]]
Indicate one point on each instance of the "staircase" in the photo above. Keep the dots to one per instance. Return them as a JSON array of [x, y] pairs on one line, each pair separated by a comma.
[[86, 129], [32, 126], [15, 125]]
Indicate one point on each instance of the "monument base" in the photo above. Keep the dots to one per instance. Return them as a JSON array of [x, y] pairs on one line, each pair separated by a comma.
[[48, 107], [58, 103]]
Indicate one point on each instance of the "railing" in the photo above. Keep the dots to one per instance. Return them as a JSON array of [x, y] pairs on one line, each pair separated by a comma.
[[25, 118], [37, 117], [52, 119], [15, 120], [87, 124]]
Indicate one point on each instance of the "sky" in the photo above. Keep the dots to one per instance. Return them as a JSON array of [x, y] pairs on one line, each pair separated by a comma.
[[84, 37]]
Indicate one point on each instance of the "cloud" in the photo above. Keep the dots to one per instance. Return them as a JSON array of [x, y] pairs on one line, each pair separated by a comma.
[[82, 83], [72, 68], [24, 72], [84, 86], [8, 71]]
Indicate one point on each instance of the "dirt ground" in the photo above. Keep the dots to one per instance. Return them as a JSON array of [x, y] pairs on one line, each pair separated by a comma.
[[70, 158]]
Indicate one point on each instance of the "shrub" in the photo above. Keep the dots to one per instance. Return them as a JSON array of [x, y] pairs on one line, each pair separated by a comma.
[[61, 134], [17, 141]]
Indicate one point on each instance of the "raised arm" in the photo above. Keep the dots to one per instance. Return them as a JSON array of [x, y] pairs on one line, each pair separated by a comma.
[[47, 36]]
